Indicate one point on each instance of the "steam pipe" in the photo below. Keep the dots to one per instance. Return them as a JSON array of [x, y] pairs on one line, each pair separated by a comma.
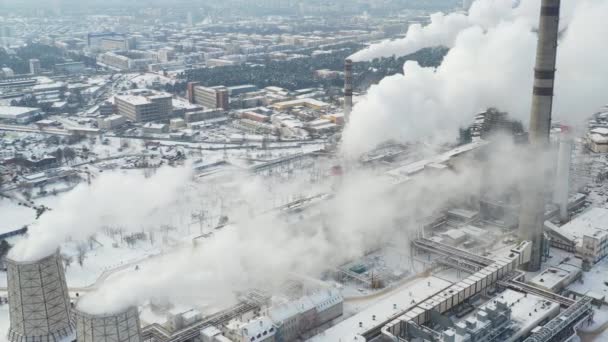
[[533, 193]]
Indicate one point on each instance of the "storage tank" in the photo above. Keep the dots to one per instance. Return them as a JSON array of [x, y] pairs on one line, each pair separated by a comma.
[[39, 305], [118, 327]]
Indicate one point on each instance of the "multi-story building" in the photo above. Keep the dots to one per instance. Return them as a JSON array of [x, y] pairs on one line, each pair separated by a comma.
[[134, 60], [70, 67], [34, 66], [211, 97], [144, 105]]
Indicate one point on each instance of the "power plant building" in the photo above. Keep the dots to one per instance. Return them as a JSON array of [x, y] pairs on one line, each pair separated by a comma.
[[120, 327], [588, 233], [39, 305]]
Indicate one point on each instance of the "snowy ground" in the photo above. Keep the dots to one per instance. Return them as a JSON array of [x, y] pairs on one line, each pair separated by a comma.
[[4, 322], [14, 216]]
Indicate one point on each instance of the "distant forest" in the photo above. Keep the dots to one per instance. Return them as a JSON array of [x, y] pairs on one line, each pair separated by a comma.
[[299, 73]]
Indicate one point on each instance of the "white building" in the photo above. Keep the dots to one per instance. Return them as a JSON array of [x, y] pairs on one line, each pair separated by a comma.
[[597, 140], [111, 122], [257, 330], [20, 115], [589, 232], [309, 312]]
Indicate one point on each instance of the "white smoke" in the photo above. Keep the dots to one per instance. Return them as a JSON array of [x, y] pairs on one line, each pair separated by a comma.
[[444, 28], [127, 200], [263, 251], [485, 67]]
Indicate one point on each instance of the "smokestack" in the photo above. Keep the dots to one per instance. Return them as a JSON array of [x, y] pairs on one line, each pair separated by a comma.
[[348, 89], [39, 305], [120, 327], [562, 179], [532, 215]]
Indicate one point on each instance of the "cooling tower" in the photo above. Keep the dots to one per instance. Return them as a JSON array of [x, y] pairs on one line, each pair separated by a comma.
[[39, 305], [348, 89], [120, 327], [532, 218]]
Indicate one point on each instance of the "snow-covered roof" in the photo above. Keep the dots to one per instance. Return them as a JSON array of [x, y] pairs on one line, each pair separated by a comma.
[[593, 222], [13, 112], [383, 310]]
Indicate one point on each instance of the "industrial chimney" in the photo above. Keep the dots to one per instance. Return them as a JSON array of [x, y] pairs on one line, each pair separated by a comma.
[[120, 327], [39, 305], [532, 215], [348, 89], [562, 178]]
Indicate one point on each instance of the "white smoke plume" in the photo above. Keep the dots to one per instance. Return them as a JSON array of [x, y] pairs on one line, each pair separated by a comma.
[[262, 251], [486, 67], [444, 28], [127, 200]]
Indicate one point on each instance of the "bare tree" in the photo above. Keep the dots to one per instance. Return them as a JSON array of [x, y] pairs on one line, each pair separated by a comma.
[[82, 251]]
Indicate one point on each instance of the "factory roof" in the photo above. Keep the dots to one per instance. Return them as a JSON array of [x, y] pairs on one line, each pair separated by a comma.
[[383, 310], [593, 222], [13, 112], [256, 329], [557, 277]]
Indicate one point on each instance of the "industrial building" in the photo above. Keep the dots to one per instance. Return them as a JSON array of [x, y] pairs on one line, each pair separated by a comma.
[[20, 115], [587, 233], [298, 317], [39, 305], [144, 105], [257, 330], [118, 327], [509, 317]]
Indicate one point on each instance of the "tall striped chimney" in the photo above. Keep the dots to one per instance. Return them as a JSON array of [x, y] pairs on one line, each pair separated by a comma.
[[532, 216], [348, 89]]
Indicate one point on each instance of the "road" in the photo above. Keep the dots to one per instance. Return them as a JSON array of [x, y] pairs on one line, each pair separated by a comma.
[[30, 129]]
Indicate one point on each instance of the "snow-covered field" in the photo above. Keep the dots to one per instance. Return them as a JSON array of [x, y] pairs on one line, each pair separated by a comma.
[[14, 216]]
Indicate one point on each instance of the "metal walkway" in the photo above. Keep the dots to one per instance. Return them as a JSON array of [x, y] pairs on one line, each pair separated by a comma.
[[157, 333], [451, 252], [523, 287], [554, 330]]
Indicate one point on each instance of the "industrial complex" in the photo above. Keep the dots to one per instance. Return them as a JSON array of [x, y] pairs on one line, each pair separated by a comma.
[[231, 214]]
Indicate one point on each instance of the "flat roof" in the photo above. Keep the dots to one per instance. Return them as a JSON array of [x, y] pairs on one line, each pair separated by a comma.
[[417, 291], [593, 222], [14, 111]]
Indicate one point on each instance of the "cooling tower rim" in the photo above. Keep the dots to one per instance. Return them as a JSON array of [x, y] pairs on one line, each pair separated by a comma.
[[82, 313], [12, 261]]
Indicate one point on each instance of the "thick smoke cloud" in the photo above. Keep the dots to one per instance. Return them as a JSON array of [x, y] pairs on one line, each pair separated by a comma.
[[262, 251], [485, 67], [126, 200], [444, 28]]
